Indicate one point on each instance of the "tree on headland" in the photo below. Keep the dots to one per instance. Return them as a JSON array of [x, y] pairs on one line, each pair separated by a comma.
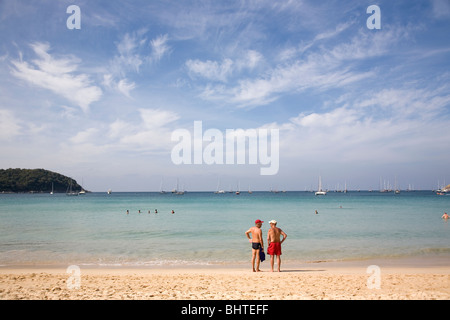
[[34, 180]]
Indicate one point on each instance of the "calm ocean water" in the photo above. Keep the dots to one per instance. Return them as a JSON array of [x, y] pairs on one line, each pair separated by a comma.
[[208, 228]]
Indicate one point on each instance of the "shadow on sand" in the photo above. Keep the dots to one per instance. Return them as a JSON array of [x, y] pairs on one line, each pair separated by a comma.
[[299, 270]]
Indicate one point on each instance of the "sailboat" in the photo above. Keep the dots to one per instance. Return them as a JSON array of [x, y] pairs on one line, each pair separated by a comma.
[[51, 192], [69, 191], [176, 188], [82, 191], [161, 190], [219, 191], [177, 191], [397, 190], [320, 192]]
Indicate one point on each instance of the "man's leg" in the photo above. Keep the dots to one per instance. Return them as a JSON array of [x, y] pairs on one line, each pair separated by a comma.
[[279, 263], [271, 262], [258, 260], [253, 259]]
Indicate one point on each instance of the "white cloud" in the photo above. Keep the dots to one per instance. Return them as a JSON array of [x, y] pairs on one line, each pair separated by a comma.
[[386, 127], [249, 60], [57, 75], [125, 87], [85, 136], [129, 57], [156, 118], [159, 47], [134, 51], [101, 142], [211, 70], [222, 71], [422, 104], [118, 128], [152, 133], [321, 68], [9, 125]]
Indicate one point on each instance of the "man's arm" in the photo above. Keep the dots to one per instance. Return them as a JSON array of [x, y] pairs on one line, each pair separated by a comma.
[[284, 236], [247, 233], [261, 237]]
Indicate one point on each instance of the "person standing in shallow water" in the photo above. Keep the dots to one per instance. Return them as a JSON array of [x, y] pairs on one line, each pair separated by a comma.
[[274, 243], [256, 240]]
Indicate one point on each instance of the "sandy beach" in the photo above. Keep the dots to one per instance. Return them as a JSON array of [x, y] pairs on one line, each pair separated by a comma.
[[311, 281]]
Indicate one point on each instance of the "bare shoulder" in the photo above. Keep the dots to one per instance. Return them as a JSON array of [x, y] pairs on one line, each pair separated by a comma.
[[254, 230]]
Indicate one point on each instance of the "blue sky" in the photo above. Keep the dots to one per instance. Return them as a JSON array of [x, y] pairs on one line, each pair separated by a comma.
[[351, 104]]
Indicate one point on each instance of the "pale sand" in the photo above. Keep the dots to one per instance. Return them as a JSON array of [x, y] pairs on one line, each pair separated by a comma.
[[306, 281]]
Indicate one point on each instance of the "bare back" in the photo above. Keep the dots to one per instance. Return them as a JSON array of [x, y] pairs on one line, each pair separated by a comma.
[[274, 234], [256, 234]]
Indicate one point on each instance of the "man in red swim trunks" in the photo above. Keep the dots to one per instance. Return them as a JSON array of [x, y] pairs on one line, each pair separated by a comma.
[[273, 238]]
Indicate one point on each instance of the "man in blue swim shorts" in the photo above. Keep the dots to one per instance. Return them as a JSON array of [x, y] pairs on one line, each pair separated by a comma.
[[256, 240]]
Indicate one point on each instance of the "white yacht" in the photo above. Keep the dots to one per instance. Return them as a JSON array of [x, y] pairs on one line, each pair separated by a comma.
[[320, 192]]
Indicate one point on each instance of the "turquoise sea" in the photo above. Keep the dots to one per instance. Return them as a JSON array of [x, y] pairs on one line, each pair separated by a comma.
[[207, 228]]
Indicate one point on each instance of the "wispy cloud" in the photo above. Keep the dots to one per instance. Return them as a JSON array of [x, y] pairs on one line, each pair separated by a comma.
[[159, 48], [123, 86], [134, 51], [321, 68], [58, 75], [129, 53], [222, 71], [211, 70]]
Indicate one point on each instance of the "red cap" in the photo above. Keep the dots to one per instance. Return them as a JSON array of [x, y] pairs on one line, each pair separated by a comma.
[[258, 221]]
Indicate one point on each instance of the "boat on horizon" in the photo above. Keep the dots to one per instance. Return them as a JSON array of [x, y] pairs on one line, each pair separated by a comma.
[[176, 190], [82, 191], [319, 191], [218, 190], [69, 191]]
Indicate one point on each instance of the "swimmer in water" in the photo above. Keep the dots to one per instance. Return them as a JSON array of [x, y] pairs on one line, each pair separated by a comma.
[[445, 216]]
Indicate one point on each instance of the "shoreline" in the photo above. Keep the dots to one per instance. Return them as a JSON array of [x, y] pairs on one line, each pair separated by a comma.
[[397, 280], [427, 261]]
